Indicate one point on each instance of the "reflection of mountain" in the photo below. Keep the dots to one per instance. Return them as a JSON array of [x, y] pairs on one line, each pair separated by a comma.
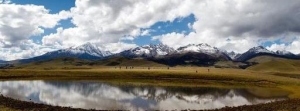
[[104, 96]]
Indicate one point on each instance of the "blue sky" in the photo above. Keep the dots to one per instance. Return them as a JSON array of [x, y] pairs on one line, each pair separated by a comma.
[[232, 26], [179, 25], [54, 6]]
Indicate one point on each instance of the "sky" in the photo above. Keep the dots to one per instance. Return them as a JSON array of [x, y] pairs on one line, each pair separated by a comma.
[[30, 28]]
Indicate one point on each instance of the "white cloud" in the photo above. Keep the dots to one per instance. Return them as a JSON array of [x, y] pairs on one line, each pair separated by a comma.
[[177, 40], [105, 22], [65, 38], [275, 47], [238, 25], [146, 32], [118, 47], [292, 47], [26, 49], [174, 37], [234, 25], [20, 22], [5, 1]]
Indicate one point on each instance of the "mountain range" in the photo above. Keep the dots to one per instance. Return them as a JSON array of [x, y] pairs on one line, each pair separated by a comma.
[[195, 54], [260, 50], [149, 51], [2, 61], [86, 51]]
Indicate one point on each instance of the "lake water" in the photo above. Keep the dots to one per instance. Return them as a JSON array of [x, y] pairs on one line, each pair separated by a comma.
[[95, 95]]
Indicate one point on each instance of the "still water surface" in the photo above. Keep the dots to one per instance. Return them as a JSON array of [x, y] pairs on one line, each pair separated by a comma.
[[95, 95]]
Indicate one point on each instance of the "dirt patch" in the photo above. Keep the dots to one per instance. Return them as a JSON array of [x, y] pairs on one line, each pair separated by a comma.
[[286, 105], [13, 104]]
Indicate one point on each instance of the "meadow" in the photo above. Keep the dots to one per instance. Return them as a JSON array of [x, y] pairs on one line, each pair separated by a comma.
[[263, 75], [164, 76]]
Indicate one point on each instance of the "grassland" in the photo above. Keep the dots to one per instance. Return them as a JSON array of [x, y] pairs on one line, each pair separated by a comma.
[[275, 64], [273, 73], [174, 76]]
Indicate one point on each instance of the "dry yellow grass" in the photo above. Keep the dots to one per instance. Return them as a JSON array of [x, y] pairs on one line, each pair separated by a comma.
[[275, 65]]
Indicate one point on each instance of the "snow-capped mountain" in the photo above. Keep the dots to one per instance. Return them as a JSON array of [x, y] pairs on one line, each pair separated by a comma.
[[260, 50], [284, 52], [86, 51], [88, 48], [254, 52], [202, 48], [287, 54], [148, 51], [196, 54], [199, 55], [2, 61], [233, 55]]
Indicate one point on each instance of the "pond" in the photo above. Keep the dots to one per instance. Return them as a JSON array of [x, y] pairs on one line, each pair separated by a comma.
[[97, 95]]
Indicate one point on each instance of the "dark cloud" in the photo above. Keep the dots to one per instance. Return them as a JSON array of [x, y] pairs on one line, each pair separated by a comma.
[[260, 18]]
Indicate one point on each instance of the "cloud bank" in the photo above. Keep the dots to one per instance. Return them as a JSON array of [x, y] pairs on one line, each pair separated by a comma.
[[233, 25], [240, 24]]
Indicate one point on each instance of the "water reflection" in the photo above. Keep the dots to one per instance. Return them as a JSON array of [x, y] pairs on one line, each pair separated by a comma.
[[94, 95]]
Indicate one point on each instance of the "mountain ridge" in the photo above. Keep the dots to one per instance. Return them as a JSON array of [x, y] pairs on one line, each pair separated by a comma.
[[86, 51], [196, 54], [148, 51], [260, 51]]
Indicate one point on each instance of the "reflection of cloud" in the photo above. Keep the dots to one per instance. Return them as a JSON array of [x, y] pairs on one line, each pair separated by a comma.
[[202, 102], [102, 96]]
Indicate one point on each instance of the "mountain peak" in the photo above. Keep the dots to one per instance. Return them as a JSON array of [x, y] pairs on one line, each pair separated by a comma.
[[233, 55], [257, 48], [203, 47], [255, 51], [260, 49], [198, 45], [87, 49], [152, 50], [203, 44], [87, 46]]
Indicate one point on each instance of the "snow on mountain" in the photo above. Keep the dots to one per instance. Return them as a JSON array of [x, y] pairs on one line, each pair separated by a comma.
[[206, 51], [284, 52], [92, 52], [85, 51], [260, 49], [254, 52], [151, 50], [201, 48], [232, 54], [87, 48]]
